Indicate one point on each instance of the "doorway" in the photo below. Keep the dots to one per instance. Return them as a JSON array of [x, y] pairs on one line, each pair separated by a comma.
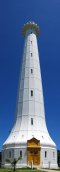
[[33, 151]]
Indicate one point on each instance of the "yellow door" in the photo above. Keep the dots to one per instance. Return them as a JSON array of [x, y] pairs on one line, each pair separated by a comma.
[[36, 158], [33, 152]]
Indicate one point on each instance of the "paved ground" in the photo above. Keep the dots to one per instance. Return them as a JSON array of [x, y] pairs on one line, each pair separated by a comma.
[[48, 170]]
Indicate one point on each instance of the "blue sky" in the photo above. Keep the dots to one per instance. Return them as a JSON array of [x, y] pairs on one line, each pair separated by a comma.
[[13, 14]]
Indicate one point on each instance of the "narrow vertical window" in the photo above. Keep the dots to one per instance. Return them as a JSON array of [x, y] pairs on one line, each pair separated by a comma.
[[3, 155], [53, 154], [31, 42], [45, 154], [20, 153], [31, 93], [9, 154], [31, 54], [31, 121], [31, 71]]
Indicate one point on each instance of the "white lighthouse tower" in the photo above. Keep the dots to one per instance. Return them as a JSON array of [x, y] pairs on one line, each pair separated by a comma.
[[29, 138]]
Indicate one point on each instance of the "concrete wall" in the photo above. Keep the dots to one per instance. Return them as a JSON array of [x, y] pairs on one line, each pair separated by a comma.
[[50, 161]]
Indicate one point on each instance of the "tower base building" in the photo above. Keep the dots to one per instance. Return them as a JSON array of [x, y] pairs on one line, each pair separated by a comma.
[[29, 137]]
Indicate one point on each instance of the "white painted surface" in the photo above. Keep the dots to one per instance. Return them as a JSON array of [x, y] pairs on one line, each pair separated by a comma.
[[31, 106]]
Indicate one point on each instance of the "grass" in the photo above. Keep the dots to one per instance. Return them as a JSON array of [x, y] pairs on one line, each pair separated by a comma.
[[24, 170], [19, 170]]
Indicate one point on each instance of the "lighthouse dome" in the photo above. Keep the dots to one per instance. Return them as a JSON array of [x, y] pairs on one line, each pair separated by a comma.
[[30, 25]]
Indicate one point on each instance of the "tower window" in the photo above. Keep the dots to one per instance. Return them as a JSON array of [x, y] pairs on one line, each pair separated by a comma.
[[31, 70], [31, 54], [20, 153], [45, 154], [9, 154], [31, 121], [53, 154], [31, 92], [3, 155], [31, 42]]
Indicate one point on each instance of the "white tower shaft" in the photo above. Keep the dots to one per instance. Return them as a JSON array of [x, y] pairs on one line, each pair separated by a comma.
[[30, 101]]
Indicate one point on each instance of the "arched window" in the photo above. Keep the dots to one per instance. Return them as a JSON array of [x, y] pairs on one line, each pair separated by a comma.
[[45, 154], [9, 154], [53, 154], [31, 121], [31, 93], [31, 71], [20, 153]]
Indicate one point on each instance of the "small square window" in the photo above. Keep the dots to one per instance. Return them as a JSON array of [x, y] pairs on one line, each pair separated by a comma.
[[20, 153], [45, 154], [31, 121], [31, 70], [31, 92], [31, 54]]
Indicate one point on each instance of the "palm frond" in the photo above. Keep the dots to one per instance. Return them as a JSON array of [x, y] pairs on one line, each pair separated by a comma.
[[8, 160]]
